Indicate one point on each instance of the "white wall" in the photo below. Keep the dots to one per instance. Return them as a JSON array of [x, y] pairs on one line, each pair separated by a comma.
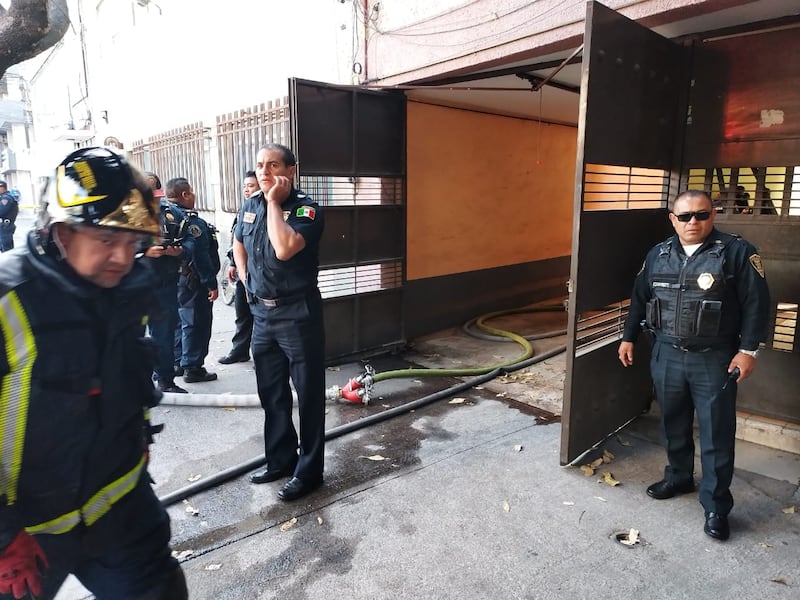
[[412, 39], [159, 67], [172, 62]]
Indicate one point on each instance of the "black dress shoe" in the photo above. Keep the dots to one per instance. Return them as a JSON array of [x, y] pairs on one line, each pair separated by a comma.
[[233, 358], [717, 526], [267, 475], [170, 387], [297, 488], [665, 489], [198, 375], [179, 371]]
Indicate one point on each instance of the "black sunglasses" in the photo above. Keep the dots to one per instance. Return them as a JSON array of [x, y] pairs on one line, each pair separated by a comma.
[[701, 215]]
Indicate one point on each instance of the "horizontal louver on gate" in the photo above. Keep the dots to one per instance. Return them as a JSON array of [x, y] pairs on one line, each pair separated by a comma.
[[360, 279], [611, 187], [596, 329]]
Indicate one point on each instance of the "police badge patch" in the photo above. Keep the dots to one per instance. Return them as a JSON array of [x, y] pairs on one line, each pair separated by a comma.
[[755, 260], [705, 281], [195, 230]]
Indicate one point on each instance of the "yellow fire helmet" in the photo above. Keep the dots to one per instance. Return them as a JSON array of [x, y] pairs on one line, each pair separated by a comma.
[[97, 187]]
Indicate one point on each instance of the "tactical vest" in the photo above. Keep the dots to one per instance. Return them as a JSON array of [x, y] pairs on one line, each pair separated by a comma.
[[688, 293]]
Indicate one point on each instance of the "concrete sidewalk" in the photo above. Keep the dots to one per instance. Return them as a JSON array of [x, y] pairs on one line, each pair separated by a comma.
[[463, 498]]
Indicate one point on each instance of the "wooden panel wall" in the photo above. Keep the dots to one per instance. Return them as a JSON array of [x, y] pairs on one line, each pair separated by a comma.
[[485, 190]]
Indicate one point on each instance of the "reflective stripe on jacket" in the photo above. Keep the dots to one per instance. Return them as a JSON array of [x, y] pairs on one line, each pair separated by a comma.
[[96, 507]]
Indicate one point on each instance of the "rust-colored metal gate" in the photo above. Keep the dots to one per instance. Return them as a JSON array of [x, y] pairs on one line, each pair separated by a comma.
[[350, 147], [630, 93], [656, 118], [745, 151]]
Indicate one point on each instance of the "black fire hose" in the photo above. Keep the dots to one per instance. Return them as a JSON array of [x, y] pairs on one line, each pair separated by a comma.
[[236, 470]]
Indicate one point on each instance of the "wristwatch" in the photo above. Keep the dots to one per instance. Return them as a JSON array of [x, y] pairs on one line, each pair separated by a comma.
[[753, 353]]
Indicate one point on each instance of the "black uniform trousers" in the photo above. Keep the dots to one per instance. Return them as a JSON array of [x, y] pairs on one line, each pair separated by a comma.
[[240, 343], [289, 340], [163, 321], [193, 333], [687, 382], [136, 566], [7, 235]]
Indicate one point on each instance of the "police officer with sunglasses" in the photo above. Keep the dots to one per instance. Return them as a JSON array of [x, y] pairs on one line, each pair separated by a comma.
[[703, 293]]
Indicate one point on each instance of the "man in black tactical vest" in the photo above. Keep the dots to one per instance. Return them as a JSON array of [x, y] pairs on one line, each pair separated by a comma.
[[703, 294]]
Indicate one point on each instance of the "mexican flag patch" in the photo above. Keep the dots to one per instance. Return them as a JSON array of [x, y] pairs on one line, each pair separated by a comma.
[[305, 211]]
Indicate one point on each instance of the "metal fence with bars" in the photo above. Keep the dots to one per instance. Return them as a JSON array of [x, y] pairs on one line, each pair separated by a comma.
[[188, 151], [180, 152], [239, 136]]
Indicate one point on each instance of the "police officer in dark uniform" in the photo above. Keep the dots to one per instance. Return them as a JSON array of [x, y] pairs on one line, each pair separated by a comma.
[[240, 343], [704, 295], [75, 496], [197, 289], [165, 258], [277, 253], [9, 208]]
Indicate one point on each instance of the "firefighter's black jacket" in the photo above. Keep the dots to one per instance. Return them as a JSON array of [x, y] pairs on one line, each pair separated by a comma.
[[76, 385]]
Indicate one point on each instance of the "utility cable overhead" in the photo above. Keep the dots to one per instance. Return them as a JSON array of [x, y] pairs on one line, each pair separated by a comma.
[[479, 23]]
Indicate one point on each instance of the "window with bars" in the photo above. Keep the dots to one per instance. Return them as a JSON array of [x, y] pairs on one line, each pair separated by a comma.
[[750, 191], [352, 191]]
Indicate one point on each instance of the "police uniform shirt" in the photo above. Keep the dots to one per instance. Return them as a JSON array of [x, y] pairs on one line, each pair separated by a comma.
[[198, 254], [267, 276], [744, 293], [8, 208]]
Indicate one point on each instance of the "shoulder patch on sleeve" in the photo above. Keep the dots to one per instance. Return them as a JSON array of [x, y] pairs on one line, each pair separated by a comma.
[[307, 212], [195, 230], [755, 260]]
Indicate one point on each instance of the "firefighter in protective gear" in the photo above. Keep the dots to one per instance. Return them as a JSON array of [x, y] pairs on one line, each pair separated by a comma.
[[75, 495]]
